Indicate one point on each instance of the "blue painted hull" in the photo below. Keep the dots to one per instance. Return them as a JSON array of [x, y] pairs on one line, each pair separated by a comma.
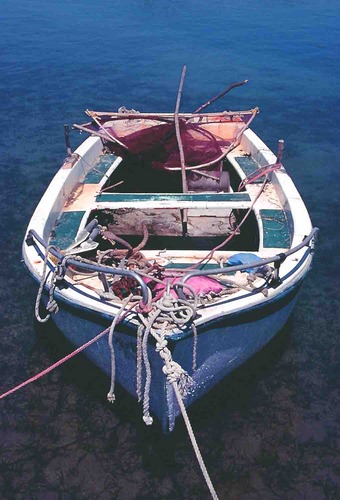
[[223, 345]]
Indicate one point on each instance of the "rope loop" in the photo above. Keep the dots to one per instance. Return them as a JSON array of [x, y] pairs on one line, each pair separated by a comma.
[[175, 373], [111, 395], [52, 306]]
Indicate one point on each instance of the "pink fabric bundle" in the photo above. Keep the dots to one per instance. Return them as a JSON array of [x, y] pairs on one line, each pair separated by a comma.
[[200, 284]]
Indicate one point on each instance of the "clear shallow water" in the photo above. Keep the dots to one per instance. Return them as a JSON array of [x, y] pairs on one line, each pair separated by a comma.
[[270, 431]]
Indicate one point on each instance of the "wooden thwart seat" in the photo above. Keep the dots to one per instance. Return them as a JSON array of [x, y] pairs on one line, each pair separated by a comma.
[[175, 200]]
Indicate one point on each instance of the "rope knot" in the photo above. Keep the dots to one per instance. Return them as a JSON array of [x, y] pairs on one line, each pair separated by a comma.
[[175, 374], [144, 308], [173, 371], [111, 397], [161, 345], [168, 300], [52, 306], [148, 420]]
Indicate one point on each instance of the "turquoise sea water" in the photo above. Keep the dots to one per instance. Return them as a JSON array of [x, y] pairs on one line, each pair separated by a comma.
[[270, 431]]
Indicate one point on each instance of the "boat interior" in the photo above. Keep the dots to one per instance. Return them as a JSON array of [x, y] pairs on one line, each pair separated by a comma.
[[128, 196]]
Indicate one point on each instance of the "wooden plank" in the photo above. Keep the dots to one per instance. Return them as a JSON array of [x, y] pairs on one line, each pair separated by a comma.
[[177, 200], [276, 232], [248, 166], [173, 198], [95, 175], [167, 222], [66, 228], [138, 116], [82, 197]]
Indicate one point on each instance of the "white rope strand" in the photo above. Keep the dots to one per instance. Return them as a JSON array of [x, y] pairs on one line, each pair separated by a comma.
[[194, 442], [139, 363], [54, 307], [111, 394], [146, 401], [194, 348]]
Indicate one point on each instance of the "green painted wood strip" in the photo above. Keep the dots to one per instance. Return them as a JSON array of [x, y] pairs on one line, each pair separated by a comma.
[[66, 229], [185, 265], [276, 232], [176, 197], [249, 165], [95, 175]]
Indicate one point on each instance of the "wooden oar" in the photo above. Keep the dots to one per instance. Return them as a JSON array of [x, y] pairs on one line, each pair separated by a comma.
[[90, 131]]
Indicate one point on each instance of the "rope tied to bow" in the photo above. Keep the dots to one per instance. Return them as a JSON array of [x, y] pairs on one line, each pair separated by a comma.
[[51, 306]]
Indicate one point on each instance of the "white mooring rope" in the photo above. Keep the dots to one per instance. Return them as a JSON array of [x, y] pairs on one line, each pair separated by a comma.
[[167, 312], [194, 442]]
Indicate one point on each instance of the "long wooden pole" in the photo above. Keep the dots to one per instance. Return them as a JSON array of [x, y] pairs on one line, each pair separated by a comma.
[[218, 96], [184, 212], [178, 132], [110, 136], [138, 116], [90, 131]]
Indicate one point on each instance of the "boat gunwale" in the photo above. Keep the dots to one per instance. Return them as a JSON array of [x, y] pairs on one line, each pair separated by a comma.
[[138, 115], [201, 323], [218, 305]]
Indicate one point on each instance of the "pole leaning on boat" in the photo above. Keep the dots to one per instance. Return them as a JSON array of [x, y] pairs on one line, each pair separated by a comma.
[[184, 212]]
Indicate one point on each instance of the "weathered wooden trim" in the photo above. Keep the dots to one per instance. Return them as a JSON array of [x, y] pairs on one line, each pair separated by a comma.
[[221, 94], [175, 200], [178, 132], [174, 197], [171, 115]]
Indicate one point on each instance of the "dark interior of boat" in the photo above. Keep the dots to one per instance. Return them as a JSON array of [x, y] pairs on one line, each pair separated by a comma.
[[204, 232], [135, 175], [206, 228]]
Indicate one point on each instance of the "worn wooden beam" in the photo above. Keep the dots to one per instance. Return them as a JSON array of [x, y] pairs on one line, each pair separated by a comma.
[[109, 136], [178, 132], [184, 212], [221, 94], [138, 116]]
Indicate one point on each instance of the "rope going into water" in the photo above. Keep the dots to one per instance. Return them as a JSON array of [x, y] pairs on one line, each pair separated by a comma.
[[67, 357], [167, 311], [55, 365], [194, 442]]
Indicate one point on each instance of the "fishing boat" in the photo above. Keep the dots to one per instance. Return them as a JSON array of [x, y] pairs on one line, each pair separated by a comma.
[[172, 246]]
